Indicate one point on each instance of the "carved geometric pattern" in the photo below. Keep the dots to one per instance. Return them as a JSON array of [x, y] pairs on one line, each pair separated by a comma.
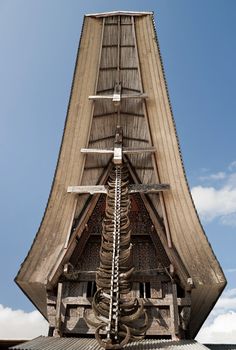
[[146, 255]]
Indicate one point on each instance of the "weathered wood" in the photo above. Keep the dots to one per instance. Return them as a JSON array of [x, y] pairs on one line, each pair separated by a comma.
[[96, 151], [190, 252], [136, 188], [152, 188], [174, 313], [117, 92], [65, 255], [148, 302], [87, 189], [127, 150], [156, 289], [117, 157], [57, 331], [119, 13], [171, 252], [122, 96]]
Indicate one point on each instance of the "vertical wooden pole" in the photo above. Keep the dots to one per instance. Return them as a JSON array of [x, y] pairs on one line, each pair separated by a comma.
[[57, 331]]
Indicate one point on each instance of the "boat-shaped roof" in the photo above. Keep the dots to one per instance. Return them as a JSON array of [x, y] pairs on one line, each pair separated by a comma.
[[147, 121]]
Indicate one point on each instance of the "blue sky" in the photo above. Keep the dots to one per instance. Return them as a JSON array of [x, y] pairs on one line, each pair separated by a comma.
[[38, 43]]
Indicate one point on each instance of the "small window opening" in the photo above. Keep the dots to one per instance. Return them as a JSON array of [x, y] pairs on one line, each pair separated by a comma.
[[144, 290], [91, 289], [180, 291]]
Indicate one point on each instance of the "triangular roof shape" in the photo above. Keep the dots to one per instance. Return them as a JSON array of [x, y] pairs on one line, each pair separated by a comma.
[[147, 121]]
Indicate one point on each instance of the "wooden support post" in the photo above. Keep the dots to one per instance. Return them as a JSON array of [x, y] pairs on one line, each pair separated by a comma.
[[117, 94], [174, 312], [117, 157], [57, 331]]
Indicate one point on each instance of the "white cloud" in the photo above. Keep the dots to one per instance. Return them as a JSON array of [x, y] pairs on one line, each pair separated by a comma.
[[221, 330], [227, 300], [18, 324], [212, 202], [217, 199], [220, 327]]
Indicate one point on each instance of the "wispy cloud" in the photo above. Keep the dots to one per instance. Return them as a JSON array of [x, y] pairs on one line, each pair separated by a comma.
[[232, 165], [218, 176], [230, 270], [18, 324], [217, 199]]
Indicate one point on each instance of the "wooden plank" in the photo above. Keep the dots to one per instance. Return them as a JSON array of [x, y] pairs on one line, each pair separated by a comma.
[[123, 96], [156, 290], [87, 189], [135, 188], [175, 310], [57, 331], [128, 150], [151, 188], [97, 150]]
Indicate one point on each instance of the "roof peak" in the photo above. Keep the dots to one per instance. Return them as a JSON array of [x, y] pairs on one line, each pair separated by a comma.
[[119, 13]]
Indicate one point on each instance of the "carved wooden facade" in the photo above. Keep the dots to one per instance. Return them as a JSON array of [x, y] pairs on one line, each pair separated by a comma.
[[119, 115], [166, 302]]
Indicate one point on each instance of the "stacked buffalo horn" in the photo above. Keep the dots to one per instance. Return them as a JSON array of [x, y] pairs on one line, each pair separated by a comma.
[[117, 318]]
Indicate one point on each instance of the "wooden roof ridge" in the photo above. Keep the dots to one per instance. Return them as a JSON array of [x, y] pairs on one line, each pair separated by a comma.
[[120, 13]]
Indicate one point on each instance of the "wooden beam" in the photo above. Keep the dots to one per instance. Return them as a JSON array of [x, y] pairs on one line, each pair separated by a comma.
[[87, 189], [151, 188], [97, 150], [110, 97], [135, 188], [126, 150]]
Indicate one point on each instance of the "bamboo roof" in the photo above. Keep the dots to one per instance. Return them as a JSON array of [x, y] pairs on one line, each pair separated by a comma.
[[147, 122]]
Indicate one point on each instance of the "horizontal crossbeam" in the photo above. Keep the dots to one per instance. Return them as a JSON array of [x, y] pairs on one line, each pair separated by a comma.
[[125, 150], [112, 97], [134, 188]]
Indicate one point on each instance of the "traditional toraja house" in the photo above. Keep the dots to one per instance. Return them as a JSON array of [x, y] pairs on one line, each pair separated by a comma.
[[120, 254]]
